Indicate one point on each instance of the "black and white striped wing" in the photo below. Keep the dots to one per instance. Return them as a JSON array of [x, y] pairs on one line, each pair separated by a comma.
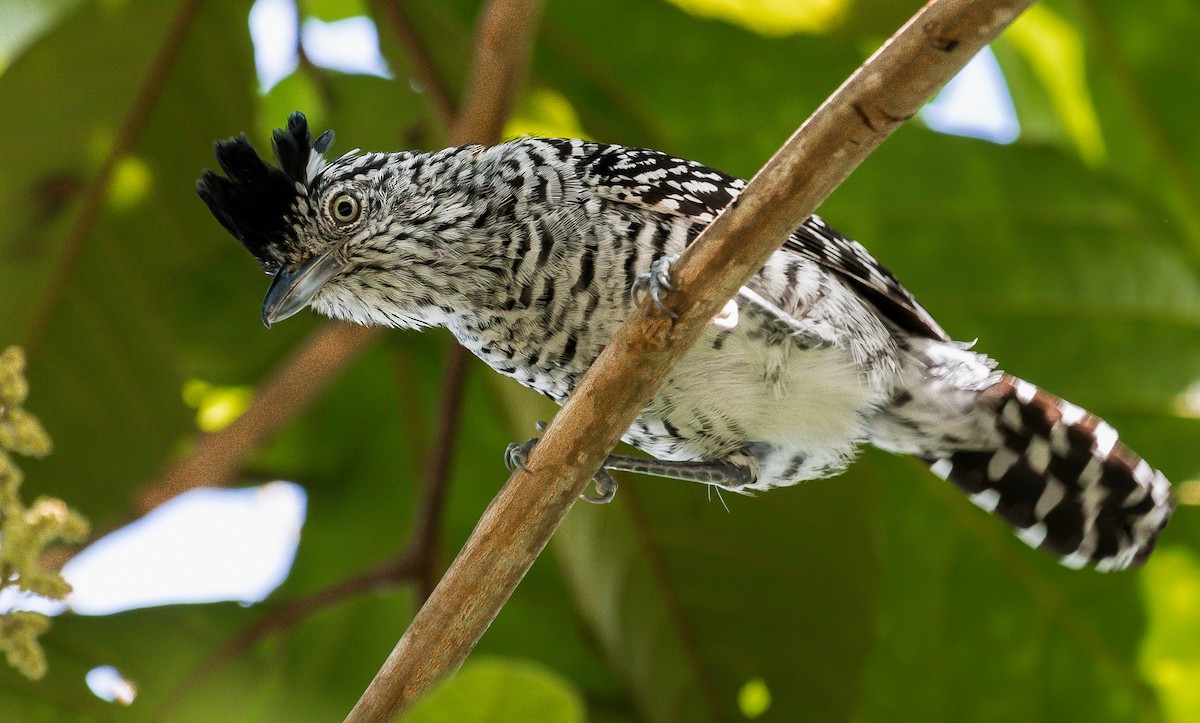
[[665, 184]]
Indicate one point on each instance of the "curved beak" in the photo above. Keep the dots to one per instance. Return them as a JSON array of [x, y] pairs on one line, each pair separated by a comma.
[[293, 289]]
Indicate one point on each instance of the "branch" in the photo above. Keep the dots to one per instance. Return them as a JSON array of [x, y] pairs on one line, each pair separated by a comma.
[[416, 563], [424, 69], [427, 527], [887, 90], [289, 390], [502, 48], [93, 199]]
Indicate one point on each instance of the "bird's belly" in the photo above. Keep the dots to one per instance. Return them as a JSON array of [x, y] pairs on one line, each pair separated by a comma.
[[801, 410]]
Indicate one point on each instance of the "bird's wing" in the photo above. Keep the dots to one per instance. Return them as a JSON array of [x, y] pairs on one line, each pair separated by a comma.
[[658, 182]]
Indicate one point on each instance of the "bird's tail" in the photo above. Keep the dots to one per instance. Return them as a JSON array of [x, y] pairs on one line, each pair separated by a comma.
[[1060, 476]]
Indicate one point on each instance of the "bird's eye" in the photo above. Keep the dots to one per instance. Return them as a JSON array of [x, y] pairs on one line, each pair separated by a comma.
[[344, 208]]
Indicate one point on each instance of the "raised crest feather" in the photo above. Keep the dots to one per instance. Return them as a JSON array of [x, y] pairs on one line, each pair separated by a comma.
[[253, 200]]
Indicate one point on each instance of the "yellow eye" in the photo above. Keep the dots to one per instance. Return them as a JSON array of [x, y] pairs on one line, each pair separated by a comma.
[[344, 208]]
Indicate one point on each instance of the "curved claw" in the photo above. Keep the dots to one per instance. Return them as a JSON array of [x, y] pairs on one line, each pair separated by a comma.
[[658, 283], [656, 294], [606, 488], [516, 454]]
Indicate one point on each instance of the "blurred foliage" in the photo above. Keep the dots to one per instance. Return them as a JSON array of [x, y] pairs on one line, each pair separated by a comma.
[[1073, 254], [27, 532]]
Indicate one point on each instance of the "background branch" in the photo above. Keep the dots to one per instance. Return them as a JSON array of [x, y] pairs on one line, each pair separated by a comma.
[[416, 563], [93, 198], [507, 28], [492, 89], [424, 69], [887, 90], [217, 457]]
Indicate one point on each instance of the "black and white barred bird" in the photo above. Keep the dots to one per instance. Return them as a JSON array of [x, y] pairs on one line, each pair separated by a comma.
[[528, 253]]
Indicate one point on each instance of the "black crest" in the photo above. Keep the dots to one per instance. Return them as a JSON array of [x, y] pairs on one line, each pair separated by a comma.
[[252, 200]]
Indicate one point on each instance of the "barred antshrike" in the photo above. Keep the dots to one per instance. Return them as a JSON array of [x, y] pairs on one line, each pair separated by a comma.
[[532, 253]]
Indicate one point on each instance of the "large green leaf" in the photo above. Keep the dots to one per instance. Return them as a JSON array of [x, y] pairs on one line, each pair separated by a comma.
[[499, 691]]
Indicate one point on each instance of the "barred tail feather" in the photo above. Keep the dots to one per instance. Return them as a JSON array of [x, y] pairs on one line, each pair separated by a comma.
[[1060, 476]]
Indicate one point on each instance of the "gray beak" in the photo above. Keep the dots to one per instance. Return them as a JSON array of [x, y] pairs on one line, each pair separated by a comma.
[[293, 289]]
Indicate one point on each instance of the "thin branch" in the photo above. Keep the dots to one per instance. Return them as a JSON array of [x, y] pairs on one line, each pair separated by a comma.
[[676, 618], [93, 198], [427, 527], [415, 564], [217, 457], [308, 67], [887, 90], [1182, 194], [503, 44], [220, 455], [404, 568], [424, 69]]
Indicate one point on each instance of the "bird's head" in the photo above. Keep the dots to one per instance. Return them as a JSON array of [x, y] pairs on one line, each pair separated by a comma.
[[307, 221]]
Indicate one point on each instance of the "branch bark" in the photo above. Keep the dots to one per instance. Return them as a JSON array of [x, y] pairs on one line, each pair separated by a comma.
[[887, 90]]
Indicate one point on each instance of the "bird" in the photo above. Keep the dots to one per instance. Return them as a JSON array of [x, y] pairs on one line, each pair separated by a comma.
[[533, 251]]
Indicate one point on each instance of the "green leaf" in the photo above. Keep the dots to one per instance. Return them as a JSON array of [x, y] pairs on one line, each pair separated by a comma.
[[500, 691], [332, 10]]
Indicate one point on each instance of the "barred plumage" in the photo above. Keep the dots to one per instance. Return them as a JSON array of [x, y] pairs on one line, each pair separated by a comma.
[[528, 251]]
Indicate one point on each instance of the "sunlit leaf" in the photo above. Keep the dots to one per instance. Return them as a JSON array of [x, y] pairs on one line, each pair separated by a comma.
[[499, 691]]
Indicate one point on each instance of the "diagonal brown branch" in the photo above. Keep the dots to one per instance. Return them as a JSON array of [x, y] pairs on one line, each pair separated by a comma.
[[93, 198], [887, 90], [289, 390]]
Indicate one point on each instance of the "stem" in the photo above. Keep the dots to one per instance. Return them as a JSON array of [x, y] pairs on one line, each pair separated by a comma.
[[93, 198], [288, 391], [427, 526], [887, 90], [424, 69], [492, 91]]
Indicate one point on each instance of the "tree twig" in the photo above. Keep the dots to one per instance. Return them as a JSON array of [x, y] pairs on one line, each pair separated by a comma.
[[94, 195], [887, 90], [427, 525], [393, 572], [217, 457], [424, 69], [416, 563], [503, 43]]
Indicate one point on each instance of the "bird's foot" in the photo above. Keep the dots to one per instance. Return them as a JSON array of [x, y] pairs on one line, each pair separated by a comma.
[[517, 455], [657, 284]]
